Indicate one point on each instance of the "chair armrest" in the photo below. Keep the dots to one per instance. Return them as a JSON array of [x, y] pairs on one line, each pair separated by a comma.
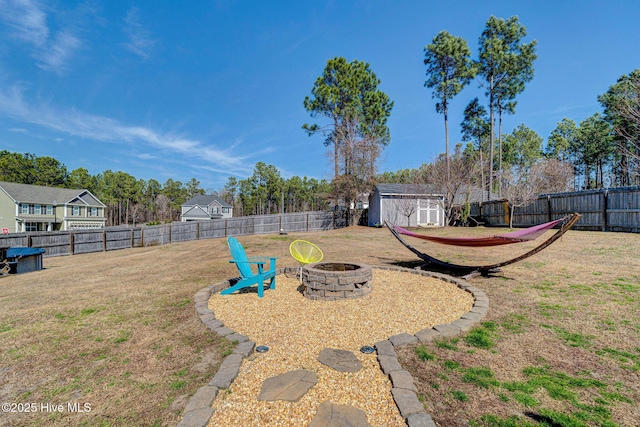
[[261, 259], [254, 260]]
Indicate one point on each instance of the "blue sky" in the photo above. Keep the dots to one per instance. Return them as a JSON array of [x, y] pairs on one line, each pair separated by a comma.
[[205, 89]]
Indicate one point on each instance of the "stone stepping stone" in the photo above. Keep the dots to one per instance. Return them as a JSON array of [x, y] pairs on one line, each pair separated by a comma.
[[340, 360], [333, 415], [290, 386]]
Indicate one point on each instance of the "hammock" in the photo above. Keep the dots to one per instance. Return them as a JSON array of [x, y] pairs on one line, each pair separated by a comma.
[[514, 237], [525, 235]]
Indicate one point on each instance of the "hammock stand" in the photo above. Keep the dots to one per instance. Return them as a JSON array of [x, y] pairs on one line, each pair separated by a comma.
[[484, 270]]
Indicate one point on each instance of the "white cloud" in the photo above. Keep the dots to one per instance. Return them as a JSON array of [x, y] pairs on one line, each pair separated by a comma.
[[58, 52], [104, 129], [139, 38], [28, 20]]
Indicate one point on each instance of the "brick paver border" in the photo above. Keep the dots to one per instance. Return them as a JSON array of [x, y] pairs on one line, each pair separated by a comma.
[[198, 411]]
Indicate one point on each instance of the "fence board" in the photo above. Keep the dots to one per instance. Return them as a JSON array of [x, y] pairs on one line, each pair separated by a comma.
[[157, 235], [240, 226], [184, 231], [112, 238], [54, 243], [616, 209], [137, 237], [85, 242], [13, 240], [212, 229], [263, 224], [623, 210], [292, 222], [324, 221], [118, 239]]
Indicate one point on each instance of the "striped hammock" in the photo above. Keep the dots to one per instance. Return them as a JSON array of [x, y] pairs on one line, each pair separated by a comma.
[[518, 236]]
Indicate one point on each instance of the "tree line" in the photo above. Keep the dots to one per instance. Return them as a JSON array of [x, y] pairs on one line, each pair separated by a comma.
[[267, 192], [130, 200]]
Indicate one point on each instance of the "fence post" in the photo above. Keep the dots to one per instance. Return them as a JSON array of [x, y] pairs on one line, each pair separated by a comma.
[[605, 200], [71, 243], [549, 216], [197, 230], [104, 241], [507, 212], [307, 221], [225, 227]]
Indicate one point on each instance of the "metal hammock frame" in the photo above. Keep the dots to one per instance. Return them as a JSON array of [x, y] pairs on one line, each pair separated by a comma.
[[462, 270]]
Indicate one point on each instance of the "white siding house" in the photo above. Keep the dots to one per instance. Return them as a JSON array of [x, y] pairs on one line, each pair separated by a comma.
[[205, 207], [28, 208]]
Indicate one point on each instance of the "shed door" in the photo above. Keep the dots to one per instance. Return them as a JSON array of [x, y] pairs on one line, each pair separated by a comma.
[[428, 212]]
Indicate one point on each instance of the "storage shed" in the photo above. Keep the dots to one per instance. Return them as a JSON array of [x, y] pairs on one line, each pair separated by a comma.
[[407, 205]]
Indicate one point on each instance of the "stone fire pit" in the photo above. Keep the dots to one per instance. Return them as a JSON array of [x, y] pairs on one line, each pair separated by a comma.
[[330, 281]]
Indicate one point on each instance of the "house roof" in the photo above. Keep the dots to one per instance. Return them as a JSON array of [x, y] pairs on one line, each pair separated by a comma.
[[196, 212], [206, 200], [408, 189], [27, 193]]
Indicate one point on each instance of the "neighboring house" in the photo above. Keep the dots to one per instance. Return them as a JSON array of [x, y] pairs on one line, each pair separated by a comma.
[[205, 207], [363, 202], [27, 208], [406, 205]]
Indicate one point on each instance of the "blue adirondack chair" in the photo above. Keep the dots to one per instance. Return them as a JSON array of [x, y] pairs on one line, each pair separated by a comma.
[[248, 276]]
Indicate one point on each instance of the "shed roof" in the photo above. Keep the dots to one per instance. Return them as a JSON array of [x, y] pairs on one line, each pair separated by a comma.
[[408, 189]]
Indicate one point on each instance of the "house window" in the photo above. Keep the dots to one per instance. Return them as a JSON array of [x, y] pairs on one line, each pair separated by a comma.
[[214, 209], [93, 211], [37, 209], [75, 211], [225, 210], [49, 210], [30, 226], [24, 208]]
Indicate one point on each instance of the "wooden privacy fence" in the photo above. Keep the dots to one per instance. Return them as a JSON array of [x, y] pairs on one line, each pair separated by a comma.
[[84, 241], [613, 209]]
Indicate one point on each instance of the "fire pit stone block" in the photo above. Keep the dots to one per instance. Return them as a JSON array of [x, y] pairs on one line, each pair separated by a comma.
[[330, 281]]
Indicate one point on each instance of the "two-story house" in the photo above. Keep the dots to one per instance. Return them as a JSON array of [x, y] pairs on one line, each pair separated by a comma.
[[205, 207], [27, 208]]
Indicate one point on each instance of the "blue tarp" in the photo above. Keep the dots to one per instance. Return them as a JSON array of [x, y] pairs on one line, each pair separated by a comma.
[[22, 252]]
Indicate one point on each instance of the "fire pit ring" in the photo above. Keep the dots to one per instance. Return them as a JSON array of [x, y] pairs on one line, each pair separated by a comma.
[[330, 281]]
